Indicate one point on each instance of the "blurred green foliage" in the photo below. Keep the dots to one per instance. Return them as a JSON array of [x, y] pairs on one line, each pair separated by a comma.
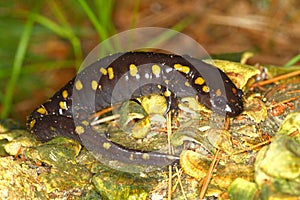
[[24, 24]]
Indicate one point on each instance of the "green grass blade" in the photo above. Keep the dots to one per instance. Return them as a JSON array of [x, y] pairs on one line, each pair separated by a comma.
[[293, 61], [64, 32], [135, 13], [169, 34], [104, 11], [71, 36], [101, 30], [18, 61]]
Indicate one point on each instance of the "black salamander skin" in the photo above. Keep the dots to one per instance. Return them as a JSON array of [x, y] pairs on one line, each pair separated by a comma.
[[123, 76]]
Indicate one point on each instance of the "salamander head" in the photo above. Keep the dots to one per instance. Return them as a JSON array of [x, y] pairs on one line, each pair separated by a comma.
[[230, 105]]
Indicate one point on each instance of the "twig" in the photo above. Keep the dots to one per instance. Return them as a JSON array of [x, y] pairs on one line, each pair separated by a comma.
[[105, 119], [207, 179], [101, 112], [227, 123], [294, 91], [294, 133], [180, 183], [169, 131], [284, 101], [277, 78], [252, 147]]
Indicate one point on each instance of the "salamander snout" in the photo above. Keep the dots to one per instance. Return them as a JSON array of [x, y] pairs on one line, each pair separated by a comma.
[[231, 107]]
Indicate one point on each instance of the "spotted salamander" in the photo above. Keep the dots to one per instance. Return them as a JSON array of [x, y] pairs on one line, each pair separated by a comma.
[[122, 76]]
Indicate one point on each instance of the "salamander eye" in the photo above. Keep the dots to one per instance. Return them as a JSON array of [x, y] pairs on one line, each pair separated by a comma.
[[240, 93]]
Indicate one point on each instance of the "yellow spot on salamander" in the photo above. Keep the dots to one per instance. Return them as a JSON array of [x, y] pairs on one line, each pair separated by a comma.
[[205, 88], [106, 145], [94, 85], [234, 91], [133, 70], [187, 84], [79, 130], [146, 156], [78, 85], [181, 68], [32, 123], [41, 110], [103, 71], [85, 122], [167, 93], [110, 72], [199, 81], [218, 92], [159, 86], [63, 105], [156, 70], [65, 94]]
